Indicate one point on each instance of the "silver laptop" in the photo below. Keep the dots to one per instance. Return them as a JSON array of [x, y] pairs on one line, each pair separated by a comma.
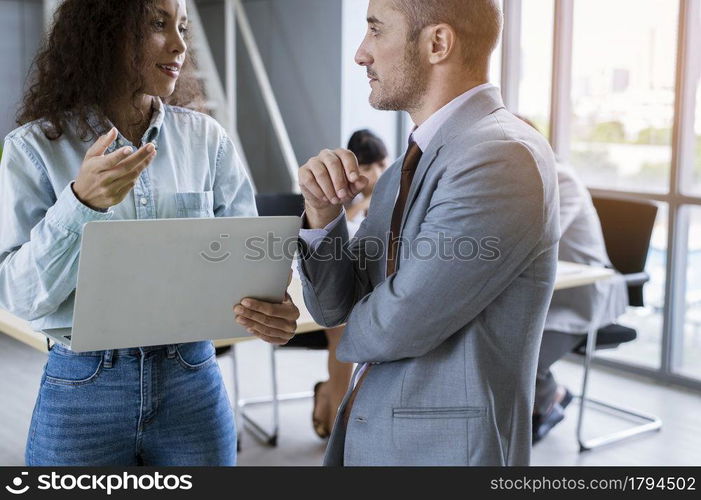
[[168, 281]]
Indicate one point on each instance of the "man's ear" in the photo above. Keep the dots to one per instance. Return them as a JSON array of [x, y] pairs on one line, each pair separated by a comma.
[[442, 42]]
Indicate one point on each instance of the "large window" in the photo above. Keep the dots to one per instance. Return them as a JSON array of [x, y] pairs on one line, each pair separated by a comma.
[[618, 83], [622, 116], [537, 17], [623, 80]]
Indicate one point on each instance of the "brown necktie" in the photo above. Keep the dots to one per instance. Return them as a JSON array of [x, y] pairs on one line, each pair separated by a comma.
[[411, 161]]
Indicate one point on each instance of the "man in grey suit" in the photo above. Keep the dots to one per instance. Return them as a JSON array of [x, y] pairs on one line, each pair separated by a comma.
[[445, 287]]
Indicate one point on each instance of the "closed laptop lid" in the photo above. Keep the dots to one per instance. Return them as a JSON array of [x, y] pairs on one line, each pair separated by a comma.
[[166, 281]]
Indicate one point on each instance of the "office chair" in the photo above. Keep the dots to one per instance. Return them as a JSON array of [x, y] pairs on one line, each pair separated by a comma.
[[273, 205], [627, 227]]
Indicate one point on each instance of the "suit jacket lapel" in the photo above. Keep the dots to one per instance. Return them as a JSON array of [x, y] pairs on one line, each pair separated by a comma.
[[477, 107]]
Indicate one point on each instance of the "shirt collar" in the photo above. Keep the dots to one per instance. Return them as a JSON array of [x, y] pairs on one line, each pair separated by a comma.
[[152, 131], [424, 133]]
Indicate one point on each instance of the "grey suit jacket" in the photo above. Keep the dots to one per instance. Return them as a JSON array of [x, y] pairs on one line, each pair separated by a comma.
[[454, 336]]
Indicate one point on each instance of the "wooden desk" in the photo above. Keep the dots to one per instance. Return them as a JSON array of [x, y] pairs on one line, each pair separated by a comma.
[[569, 275], [19, 329]]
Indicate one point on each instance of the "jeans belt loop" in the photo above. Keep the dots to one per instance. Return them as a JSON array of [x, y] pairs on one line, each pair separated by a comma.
[[107, 358], [171, 350]]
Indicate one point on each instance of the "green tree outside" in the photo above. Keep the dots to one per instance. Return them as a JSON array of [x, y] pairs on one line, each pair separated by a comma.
[[608, 132], [655, 136]]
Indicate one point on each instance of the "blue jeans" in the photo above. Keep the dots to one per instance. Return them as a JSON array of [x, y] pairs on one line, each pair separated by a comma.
[[157, 406]]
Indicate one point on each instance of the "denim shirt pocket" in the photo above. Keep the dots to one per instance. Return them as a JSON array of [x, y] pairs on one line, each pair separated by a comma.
[[194, 205]]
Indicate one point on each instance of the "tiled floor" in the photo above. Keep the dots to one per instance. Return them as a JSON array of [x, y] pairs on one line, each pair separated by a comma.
[[679, 442]]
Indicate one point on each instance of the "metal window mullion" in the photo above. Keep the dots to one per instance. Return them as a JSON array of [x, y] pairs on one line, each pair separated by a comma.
[[682, 160], [214, 89], [206, 65], [266, 89], [675, 306], [688, 72], [511, 54], [561, 100]]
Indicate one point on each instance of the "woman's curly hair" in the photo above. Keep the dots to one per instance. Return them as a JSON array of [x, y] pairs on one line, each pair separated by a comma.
[[92, 54]]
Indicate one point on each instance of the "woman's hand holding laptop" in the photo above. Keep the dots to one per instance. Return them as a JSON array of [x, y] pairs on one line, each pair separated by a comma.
[[273, 323]]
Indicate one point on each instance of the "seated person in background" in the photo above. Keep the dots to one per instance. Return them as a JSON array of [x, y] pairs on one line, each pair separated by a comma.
[[573, 310], [372, 161]]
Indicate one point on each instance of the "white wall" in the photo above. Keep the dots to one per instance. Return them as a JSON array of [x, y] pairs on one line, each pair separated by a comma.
[[356, 112], [20, 32]]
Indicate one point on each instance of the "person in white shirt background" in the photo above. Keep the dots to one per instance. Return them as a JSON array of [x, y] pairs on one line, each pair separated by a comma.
[[571, 313]]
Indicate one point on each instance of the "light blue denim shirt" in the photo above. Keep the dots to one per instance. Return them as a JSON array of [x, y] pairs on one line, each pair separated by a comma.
[[196, 173]]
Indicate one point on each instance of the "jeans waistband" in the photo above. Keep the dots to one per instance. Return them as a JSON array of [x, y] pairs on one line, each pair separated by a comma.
[[109, 354]]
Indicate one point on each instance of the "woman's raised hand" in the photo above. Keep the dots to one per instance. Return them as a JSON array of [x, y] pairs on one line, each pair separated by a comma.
[[105, 180]]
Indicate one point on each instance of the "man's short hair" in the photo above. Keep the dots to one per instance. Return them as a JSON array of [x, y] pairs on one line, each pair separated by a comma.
[[477, 22]]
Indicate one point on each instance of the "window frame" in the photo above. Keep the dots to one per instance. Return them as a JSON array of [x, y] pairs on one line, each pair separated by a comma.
[[683, 158]]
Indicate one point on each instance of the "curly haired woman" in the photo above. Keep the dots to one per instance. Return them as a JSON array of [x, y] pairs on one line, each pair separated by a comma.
[[101, 138]]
